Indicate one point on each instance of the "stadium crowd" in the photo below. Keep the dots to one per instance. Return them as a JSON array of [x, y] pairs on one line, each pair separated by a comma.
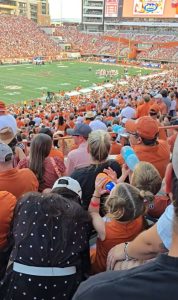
[[95, 44], [70, 205], [21, 38], [155, 53]]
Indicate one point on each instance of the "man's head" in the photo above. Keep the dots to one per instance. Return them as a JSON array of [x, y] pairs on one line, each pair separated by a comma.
[[164, 93], [80, 133], [146, 98], [142, 131], [6, 157], [46, 130]]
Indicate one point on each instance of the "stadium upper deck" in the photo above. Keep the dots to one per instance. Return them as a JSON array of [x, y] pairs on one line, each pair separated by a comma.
[[104, 15]]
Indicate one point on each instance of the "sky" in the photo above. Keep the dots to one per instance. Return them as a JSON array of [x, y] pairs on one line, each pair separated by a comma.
[[65, 9]]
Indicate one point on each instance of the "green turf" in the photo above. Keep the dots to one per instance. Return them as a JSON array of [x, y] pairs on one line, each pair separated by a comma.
[[25, 82]]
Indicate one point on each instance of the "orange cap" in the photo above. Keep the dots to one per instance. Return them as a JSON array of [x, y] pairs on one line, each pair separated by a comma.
[[146, 127]]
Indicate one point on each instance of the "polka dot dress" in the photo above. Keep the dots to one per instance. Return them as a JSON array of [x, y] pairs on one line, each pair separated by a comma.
[[42, 240]]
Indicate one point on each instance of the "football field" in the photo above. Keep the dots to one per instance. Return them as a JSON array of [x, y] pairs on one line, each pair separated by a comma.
[[24, 82]]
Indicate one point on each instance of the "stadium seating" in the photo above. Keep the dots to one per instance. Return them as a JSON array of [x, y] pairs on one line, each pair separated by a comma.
[[21, 38], [95, 44]]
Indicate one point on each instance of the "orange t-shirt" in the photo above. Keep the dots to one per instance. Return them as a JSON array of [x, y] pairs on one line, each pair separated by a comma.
[[20, 123], [115, 148], [116, 233], [158, 155], [18, 182], [55, 152], [143, 110], [7, 204]]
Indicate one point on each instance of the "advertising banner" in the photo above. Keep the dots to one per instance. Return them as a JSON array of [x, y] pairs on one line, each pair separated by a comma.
[[111, 8], [163, 9], [148, 7]]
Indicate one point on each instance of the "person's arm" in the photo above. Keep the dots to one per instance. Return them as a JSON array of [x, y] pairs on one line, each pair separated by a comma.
[[97, 220], [19, 153], [94, 207], [145, 246], [24, 163]]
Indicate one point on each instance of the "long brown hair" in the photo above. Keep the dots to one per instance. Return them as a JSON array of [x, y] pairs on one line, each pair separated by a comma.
[[39, 150]]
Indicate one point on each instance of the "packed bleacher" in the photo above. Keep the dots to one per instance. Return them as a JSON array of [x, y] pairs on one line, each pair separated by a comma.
[[95, 44], [156, 53], [21, 38]]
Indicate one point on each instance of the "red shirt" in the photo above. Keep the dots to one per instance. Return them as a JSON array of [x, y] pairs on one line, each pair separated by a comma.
[[51, 174]]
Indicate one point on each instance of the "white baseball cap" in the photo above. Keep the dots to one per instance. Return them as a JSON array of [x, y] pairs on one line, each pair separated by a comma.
[[70, 184]]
